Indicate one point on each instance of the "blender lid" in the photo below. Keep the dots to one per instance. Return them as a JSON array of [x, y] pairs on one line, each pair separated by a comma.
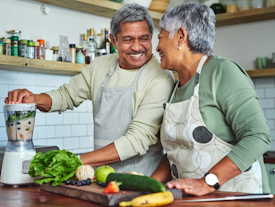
[[20, 107]]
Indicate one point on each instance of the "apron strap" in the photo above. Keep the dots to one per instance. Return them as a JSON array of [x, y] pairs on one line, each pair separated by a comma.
[[174, 91], [110, 72], [198, 72]]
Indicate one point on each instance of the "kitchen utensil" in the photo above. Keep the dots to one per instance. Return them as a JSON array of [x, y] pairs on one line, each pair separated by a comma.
[[19, 120], [238, 197], [94, 193]]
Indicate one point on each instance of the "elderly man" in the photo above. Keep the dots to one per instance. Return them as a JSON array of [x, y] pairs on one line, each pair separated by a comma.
[[127, 89]]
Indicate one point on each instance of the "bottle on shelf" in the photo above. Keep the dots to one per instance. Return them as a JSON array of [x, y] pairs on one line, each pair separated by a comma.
[[99, 40], [84, 41], [91, 48], [42, 49], [106, 43], [80, 58]]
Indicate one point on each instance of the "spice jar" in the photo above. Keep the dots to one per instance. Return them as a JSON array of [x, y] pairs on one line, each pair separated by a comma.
[[14, 45], [41, 49], [48, 54], [36, 50], [14, 33], [1, 46], [73, 52], [55, 53], [270, 3], [30, 49], [7, 46], [257, 4], [22, 52], [243, 5], [231, 6]]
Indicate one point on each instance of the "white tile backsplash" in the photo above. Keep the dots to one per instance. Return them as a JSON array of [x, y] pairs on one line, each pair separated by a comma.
[[79, 130], [40, 119], [271, 124], [264, 82], [45, 132], [56, 142], [54, 118], [90, 129], [260, 92], [3, 134], [270, 92], [37, 89], [63, 131], [45, 79], [71, 143], [86, 118], [267, 103], [15, 87], [87, 142], [40, 142], [8, 77], [61, 79], [71, 118], [270, 113], [27, 78], [82, 107], [2, 120], [3, 91], [1, 104]]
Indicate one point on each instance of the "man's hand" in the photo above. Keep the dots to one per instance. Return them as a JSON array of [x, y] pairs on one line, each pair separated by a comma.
[[197, 187], [20, 96]]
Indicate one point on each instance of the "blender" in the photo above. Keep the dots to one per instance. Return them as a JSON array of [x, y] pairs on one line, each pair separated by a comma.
[[19, 119]]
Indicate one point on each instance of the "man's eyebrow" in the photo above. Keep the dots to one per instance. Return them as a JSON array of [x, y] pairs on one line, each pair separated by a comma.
[[126, 36]]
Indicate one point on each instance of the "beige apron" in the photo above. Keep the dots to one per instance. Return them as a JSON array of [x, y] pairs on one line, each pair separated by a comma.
[[193, 150], [113, 115]]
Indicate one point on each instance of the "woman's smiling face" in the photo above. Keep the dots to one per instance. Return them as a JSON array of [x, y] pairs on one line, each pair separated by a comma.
[[168, 50]]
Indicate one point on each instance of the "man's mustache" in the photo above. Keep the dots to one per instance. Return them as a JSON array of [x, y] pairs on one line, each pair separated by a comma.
[[136, 52]]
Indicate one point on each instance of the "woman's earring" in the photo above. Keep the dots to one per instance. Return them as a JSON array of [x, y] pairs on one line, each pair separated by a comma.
[[179, 47]]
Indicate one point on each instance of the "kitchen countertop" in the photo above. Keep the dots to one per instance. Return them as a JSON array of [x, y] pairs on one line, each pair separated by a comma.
[[34, 197], [269, 157]]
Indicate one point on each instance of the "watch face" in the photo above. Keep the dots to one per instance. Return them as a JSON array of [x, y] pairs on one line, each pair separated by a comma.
[[211, 179]]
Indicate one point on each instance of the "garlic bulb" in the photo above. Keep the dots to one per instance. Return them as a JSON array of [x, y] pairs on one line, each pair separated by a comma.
[[84, 172]]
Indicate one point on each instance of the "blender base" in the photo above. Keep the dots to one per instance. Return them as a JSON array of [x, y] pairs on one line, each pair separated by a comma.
[[15, 168]]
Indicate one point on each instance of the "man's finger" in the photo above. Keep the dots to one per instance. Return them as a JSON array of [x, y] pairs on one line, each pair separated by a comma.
[[22, 94]]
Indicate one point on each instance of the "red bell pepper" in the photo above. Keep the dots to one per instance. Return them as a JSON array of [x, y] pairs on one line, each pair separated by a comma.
[[112, 187]]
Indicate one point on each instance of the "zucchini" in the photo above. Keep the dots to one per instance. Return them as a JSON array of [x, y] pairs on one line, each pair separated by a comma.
[[136, 182]]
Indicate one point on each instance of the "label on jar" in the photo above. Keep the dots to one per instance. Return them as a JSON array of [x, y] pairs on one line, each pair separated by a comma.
[[30, 52], [14, 50], [22, 50]]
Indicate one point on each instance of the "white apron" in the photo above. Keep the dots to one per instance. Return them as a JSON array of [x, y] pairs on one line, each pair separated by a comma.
[[193, 150], [113, 115]]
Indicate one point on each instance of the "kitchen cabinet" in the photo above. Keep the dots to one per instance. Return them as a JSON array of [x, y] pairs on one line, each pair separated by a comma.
[[270, 169], [108, 8]]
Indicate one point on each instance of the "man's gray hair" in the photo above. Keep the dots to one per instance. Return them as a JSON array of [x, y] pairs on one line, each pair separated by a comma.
[[130, 13], [199, 22]]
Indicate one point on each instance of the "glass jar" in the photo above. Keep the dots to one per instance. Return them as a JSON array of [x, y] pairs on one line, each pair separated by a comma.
[[243, 5], [231, 6], [7, 46], [55, 53], [15, 32], [36, 50], [14, 45], [101, 52], [30, 49], [270, 3], [80, 58], [257, 4], [22, 52], [48, 54], [42, 49]]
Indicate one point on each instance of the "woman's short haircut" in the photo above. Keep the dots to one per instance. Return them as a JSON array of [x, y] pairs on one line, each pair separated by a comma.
[[131, 13], [199, 22]]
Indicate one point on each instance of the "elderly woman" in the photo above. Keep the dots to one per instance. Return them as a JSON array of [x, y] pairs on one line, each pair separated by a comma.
[[213, 131]]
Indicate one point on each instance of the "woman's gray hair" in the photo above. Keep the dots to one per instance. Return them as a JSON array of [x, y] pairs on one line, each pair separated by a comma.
[[130, 13], [199, 22]]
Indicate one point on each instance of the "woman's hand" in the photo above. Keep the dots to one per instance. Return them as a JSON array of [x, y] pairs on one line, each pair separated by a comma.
[[197, 187]]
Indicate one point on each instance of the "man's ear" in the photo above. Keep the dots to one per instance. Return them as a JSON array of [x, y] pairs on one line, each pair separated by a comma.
[[182, 35], [113, 40]]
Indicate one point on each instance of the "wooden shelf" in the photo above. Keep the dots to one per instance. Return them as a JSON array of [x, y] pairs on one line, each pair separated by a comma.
[[251, 15], [108, 8], [261, 73], [64, 68], [39, 66], [98, 7]]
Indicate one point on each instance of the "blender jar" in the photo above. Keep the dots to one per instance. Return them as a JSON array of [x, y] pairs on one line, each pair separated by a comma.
[[19, 119]]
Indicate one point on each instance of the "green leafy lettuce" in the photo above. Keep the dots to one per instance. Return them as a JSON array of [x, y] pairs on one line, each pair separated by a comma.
[[54, 166]]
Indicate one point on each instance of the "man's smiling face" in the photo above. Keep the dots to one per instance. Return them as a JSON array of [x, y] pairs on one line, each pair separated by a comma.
[[133, 44]]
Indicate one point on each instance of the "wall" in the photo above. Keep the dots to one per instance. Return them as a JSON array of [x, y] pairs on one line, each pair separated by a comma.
[[74, 130]]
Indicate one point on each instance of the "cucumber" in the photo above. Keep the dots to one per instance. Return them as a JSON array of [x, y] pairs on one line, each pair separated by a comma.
[[136, 182]]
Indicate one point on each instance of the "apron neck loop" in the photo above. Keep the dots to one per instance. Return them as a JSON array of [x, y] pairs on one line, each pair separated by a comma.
[[198, 72]]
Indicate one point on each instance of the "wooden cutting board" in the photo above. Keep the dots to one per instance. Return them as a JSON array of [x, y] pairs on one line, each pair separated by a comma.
[[94, 193]]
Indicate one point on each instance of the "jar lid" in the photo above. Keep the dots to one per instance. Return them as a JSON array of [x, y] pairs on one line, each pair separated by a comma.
[[41, 41], [36, 44], [14, 38], [72, 45], [55, 48], [8, 41], [14, 31], [23, 42], [30, 43]]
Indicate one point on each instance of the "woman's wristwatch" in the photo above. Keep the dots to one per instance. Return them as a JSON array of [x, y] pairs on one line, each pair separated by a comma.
[[212, 180]]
